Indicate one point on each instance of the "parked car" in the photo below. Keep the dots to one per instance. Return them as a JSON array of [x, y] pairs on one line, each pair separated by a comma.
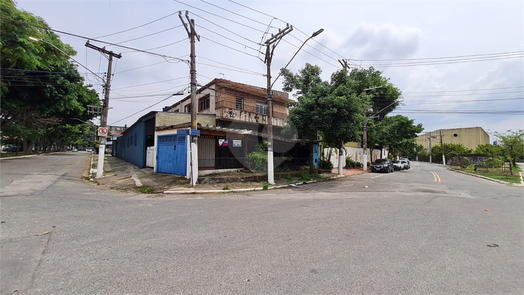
[[382, 165], [397, 165], [89, 150], [74, 150], [406, 163]]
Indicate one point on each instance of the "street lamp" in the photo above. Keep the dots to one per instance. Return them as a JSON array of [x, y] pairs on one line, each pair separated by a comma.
[[270, 146]]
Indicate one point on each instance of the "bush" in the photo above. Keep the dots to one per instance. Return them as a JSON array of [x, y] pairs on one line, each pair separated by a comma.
[[266, 186], [305, 177], [352, 164], [289, 178], [226, 187], [257, 160], [325, 164]]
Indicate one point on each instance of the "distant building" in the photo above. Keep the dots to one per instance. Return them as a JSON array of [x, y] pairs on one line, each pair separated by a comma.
[[469, 137]]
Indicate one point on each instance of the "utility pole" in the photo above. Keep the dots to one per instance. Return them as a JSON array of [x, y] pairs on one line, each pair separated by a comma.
[[191, 33], [430, 137], [105, 108], [365, 134], [271, 43], [442, 148]]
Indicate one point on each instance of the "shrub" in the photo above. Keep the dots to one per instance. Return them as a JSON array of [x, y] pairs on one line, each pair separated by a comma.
[[325, 164], [226, 187], [352, 164], [258, 159], [266, 186], [289, 178], [305, 177]]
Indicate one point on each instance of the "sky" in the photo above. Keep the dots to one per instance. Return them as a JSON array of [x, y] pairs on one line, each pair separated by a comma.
[[457, 63]]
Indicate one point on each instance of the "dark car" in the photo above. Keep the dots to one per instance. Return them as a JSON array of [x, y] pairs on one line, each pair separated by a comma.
[[382, 165]]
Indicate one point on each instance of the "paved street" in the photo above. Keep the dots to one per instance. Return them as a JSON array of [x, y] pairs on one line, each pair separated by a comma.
[[422, 231]]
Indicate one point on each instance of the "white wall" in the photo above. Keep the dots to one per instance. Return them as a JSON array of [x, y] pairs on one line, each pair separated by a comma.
[[356, 154]]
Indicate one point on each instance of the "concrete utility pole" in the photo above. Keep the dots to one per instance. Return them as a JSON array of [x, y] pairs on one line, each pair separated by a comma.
[[442, 148], [105, 108], [271, 43], [365, 134], [191, 33], [430, 137]]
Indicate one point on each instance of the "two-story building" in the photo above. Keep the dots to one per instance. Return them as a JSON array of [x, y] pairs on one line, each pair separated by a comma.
[[232, 120]]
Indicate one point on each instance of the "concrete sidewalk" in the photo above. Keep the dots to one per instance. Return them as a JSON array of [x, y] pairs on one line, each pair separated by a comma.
[[124, 176]]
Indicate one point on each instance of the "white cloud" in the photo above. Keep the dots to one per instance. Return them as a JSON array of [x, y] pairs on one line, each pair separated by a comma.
[[384, 41]]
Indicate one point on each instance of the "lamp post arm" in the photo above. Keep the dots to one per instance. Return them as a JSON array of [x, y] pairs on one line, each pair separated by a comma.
[[304, 43]]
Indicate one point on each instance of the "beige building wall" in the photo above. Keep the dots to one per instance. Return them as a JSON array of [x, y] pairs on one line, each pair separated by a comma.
[[170, 119], [469, 137]]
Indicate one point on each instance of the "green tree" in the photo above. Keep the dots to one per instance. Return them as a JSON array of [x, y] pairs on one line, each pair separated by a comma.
[[398, 133], [40, 87], [512, 144], [488, 150]]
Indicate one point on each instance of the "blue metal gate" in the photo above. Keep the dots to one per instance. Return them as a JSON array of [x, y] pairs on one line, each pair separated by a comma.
[[172, 154]]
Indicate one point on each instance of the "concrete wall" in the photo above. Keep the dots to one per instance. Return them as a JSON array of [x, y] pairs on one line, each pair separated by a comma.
[[356, 154], [170, 119], [469, 137]]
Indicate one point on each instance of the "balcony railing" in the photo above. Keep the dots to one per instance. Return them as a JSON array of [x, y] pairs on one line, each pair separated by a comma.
[[250, 109]]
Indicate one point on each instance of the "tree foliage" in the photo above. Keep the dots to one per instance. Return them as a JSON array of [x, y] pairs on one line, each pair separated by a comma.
[[512, 144], [398, 134], [41, 89]]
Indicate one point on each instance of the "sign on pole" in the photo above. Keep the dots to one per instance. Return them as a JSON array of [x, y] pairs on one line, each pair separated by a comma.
[[102, 131]]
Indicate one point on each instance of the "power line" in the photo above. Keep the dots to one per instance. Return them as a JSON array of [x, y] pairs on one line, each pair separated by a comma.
[[245, 46], [219, 16], [151, 83], [218, 43], [143, 109], [162, 46], [149, 35], [230, 67], [130, 29], [464, 90], [238, 35]]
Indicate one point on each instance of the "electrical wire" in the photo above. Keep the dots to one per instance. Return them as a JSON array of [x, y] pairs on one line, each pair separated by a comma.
[[151, 83], [238, 35], [230, 66], [149, 35], [218, 43], [245, 46], [162, 46], [219, 16], [464, 90], [140, 26], [143, 109]]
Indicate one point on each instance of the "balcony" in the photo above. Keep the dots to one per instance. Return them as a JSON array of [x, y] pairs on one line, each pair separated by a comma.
[[227, 110]]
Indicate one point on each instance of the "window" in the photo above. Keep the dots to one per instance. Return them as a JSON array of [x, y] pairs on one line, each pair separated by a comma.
[[204, 103], [240, 103], [261, 108], [187, 108]]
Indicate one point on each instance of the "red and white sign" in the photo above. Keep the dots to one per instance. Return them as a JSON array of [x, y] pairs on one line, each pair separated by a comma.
[[102, 131]]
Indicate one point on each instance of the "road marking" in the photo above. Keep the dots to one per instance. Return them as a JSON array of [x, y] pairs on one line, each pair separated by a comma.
[[435, 176]]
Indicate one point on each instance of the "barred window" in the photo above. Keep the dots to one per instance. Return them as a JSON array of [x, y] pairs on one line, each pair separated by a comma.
[[240, 103]]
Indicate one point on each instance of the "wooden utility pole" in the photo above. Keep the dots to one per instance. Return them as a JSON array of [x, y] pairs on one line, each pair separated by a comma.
[[271, 43], [105, 108], [191, 33]]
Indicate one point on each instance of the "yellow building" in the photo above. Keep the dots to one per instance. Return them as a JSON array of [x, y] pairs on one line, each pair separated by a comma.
[[469, 137]]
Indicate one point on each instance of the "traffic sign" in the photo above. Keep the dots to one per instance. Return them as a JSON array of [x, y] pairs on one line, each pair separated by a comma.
[[102, 131]]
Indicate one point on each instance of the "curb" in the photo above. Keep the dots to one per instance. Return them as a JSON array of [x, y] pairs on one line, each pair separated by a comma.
[[491, 179], [239, 190]]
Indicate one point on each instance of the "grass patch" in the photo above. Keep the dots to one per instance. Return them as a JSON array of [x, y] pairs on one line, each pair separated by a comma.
[[515, 178], [10, 155], [266, 186], [145, 189], [226, 187], [289, 178], [305, 177]]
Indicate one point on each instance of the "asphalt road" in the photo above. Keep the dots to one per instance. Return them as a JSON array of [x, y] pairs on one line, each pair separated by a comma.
[[422, 231]]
